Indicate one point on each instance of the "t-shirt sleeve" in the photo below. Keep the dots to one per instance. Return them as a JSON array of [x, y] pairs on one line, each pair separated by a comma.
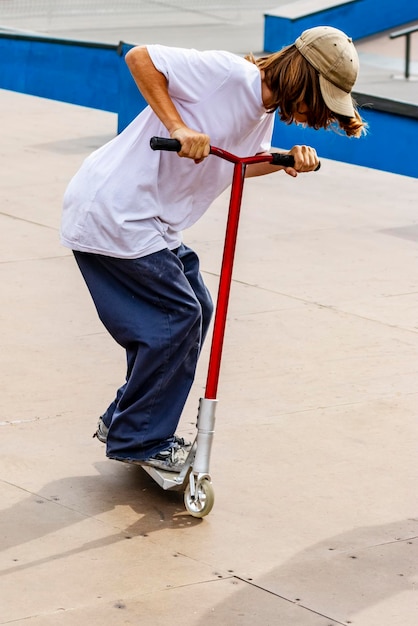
[[265, 144], [191, 75]]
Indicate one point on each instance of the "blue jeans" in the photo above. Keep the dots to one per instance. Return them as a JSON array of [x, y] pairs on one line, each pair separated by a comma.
[[157, 308]]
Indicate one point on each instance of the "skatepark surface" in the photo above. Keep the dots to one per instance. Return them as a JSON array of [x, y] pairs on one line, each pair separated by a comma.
[[314, 462]]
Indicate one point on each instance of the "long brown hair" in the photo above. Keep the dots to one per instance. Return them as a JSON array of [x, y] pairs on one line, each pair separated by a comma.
[[293, 80]]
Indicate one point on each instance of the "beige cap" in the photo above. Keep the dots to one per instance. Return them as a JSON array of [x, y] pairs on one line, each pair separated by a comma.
[[333, 55]]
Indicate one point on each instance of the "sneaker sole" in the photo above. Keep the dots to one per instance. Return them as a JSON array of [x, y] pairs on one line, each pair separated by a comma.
[[103, 439], [150, 463], [161, 466]]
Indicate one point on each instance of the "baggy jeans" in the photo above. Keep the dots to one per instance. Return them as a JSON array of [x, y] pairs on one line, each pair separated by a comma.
[[157, 308]]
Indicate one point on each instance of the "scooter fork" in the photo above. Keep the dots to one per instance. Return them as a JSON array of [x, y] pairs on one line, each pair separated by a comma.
[[199, 495]]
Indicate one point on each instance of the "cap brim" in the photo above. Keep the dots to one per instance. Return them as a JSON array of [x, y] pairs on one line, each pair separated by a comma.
[[337, 100]]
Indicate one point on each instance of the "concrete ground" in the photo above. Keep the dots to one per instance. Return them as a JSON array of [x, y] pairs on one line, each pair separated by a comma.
[[314, 464]]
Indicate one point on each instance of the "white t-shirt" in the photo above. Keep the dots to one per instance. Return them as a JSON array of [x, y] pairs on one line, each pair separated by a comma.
[[127, 200]]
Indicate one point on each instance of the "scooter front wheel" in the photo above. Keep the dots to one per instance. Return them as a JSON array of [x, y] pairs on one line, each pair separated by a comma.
[[202, 502]]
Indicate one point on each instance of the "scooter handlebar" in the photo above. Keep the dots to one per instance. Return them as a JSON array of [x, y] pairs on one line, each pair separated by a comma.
[[173, 145]]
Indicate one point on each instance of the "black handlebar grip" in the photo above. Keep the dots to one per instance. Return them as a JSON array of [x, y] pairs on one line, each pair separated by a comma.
[[286, 160], [161, 143]]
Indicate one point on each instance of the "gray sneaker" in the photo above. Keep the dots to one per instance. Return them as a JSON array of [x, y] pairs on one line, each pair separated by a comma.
[[102, 431], [172, 459], [180, 441]]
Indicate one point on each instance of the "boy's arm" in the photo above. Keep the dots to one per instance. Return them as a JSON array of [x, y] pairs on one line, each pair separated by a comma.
[[306, 160], [153, 86]]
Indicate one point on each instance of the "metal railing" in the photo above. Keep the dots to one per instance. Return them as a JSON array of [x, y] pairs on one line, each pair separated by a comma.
[[406, 32]]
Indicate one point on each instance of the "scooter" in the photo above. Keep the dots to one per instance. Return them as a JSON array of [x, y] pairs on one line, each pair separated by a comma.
[[194, 478]]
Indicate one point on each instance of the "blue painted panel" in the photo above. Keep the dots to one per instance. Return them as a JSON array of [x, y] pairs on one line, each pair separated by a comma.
[[357, 19], [386, 147], [78, 74], [131, 101], [280, 31]]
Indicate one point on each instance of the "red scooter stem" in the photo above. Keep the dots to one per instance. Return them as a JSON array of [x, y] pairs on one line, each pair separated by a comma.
[[225, 281]]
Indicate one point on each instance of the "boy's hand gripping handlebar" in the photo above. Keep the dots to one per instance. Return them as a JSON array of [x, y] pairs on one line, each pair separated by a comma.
[[275, 158]]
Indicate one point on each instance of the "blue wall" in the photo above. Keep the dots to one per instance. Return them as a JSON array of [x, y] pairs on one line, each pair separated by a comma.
[[131, 101], [88, 74], [387, 146], [358, 18], [75, 72]]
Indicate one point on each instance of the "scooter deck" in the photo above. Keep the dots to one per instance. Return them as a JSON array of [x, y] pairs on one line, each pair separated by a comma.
[[169, 481]]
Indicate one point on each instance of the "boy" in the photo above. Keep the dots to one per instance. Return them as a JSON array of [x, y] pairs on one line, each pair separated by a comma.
[[126, 207]]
